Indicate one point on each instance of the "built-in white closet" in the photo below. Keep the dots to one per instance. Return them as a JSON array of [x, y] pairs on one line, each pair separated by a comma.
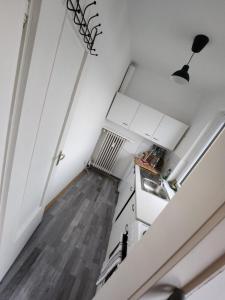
[[57, 58]]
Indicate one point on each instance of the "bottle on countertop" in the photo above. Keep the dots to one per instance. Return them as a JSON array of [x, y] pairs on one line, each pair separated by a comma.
[[167, 174], [156, 157]]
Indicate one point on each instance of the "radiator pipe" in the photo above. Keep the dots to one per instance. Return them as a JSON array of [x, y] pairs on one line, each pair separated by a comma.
[[127, 78]]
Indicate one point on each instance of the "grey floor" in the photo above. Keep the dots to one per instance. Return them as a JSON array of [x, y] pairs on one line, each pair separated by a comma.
[[63, 258]]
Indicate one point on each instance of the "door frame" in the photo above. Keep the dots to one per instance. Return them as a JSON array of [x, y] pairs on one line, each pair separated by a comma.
[[31, 16]]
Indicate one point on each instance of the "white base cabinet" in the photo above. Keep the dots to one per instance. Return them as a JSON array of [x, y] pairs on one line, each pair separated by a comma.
[[121, 225], [124, 195], [126, 188], [137, 230]]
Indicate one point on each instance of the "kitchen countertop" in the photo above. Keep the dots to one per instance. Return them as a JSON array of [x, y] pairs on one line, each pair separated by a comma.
[[148, 205], [145, 166]]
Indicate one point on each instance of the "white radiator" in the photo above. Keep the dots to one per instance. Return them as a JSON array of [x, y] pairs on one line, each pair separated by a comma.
[[107, 150]]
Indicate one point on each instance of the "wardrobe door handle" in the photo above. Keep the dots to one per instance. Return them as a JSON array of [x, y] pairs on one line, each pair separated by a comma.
[[60, 157]]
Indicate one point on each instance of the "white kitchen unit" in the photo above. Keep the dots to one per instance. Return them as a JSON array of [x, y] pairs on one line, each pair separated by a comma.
[[121, 225], [146, 121], [148, 206], [137, 230], [169, 132], [123, 110], [124, 195], [136, 210], [126, 188], [128, 178]]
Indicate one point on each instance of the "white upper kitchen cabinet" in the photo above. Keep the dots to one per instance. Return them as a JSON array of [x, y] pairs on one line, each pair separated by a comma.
[[148, 206], [146, 121], [123, 110], [169, 132]]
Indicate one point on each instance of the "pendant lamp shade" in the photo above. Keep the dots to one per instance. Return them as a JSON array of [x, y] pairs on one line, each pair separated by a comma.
[[181, 76]]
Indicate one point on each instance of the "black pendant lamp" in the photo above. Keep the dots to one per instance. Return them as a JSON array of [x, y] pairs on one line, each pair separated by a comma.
[[181, 76]]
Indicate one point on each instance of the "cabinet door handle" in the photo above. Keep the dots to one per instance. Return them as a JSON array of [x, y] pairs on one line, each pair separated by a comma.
[[133, 207], [125, 124], [147, 134]]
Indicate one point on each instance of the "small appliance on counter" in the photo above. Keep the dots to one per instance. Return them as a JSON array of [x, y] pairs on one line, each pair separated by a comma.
[[152, 160]]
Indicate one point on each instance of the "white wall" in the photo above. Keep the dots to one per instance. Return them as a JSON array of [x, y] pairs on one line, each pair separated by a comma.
[[11, 25], [213, 289], [100, 80], [206, 112], [208, 117], [11, 29], [193, 263]]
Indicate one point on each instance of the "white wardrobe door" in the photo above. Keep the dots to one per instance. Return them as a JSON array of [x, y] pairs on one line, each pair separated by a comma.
[[58, 98], [18, 225], [75, 60]]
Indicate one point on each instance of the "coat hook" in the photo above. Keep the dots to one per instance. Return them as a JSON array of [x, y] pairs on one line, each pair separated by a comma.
[[84, 24]]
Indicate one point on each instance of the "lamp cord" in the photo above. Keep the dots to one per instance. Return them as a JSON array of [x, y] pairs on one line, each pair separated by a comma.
[[190, 58]]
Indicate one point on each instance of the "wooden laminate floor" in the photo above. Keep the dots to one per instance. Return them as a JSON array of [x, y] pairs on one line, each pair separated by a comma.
[[63, 258]]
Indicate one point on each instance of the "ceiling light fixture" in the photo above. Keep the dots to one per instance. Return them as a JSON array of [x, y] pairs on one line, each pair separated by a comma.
[[181, 76]]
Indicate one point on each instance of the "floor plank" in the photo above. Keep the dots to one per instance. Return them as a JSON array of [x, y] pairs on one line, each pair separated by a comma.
[[63, 258]]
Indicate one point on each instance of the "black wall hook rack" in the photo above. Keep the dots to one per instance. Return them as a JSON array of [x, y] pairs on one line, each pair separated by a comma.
[[87, 30]]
